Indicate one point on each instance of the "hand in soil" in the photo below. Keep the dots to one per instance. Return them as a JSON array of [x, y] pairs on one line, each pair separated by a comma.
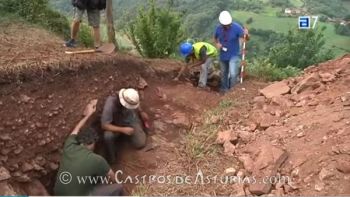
[[128, 130], [176, 79], [90, 108]]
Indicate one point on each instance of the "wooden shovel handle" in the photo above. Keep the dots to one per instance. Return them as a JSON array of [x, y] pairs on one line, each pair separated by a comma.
[[82, 51]]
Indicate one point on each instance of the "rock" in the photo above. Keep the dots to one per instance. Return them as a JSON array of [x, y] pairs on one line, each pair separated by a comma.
[[24, 98], [160, 93], [26, 167], [4, 158], [23, 178], [295, 172], [327, 77], [267, 163], [251, 127], [215, 119], [244, 136], [282, 101], [5, 137], [159, 125], [4, 174], [302, 103], [313, 103], [6, 189], [319, 186], [325, 174], [259, 188], [53, 166], [231, 171], [266, 121], [310, 82], [343, 166], [13, 167], [275, 89], [278, 192], [18, 150], [142, 84], [35, 188], [181, 120], [259, 99], [37, 167], [247, 161], [229, 148], [307, 179], [42, 143], [40, 160], [5, 151], [241, 174], [301, 134], [39, 125], [344, 148], [226, 136]]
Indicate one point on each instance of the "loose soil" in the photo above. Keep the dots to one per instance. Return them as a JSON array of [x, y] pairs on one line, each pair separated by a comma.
[[43, 92]]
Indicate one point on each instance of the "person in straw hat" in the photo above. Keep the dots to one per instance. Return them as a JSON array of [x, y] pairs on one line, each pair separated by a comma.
[[122, 115]]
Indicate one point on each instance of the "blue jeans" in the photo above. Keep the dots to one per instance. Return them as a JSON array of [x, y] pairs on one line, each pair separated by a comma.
[[229, 73]]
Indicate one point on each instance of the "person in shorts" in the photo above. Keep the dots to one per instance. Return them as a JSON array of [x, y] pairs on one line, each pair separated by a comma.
[[93, 9]]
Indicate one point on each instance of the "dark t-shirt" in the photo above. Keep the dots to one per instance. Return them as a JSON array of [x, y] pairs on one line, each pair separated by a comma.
[[77, 160], [114, 113], [202, 54]]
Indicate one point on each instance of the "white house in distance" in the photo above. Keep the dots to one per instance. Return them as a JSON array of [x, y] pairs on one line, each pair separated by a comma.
[[294, 11], [288, 11]]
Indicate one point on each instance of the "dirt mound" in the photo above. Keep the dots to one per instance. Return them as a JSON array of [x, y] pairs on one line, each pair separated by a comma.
[[299, 132]]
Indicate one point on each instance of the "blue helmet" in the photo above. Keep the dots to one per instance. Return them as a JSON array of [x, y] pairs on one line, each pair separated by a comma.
[[186, 49]]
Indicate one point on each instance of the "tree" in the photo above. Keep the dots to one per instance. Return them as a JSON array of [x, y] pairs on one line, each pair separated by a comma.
[[110, 24], [300, 49], [156, 32]]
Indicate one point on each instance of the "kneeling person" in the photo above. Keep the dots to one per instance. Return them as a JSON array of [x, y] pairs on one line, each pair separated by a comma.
[[205, 53], [121, 115]]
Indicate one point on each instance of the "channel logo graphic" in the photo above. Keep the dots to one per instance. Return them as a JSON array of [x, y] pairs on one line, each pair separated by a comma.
[[304, 22]]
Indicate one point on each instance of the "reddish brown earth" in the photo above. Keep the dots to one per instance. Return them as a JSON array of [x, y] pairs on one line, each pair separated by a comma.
[[302, 134]]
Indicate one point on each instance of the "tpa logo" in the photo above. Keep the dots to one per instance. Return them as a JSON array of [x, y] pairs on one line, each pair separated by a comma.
[[304, 22]]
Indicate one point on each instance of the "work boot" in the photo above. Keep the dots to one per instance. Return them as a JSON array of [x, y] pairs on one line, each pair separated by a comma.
[[206, 88], [71, 43]]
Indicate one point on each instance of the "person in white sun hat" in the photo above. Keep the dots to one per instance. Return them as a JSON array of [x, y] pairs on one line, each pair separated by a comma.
[[122, 115], [226, 37]]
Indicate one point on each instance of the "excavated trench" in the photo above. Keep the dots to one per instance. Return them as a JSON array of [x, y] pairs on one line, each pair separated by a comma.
[[38, 115]]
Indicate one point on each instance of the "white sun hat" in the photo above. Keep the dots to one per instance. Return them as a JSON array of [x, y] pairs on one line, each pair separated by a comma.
[[129, 98], [225, 18]]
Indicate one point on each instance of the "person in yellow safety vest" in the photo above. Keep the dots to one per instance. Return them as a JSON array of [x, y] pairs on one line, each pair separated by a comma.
[[205, 53]]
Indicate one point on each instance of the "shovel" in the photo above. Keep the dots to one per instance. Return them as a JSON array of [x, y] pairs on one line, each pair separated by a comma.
[[106, 49]]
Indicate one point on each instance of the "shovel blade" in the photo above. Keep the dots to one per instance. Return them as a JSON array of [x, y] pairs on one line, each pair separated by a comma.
[[106, 48]]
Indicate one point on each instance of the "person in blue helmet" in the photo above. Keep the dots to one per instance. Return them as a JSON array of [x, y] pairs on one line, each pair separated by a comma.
[[226, 37], [202, 52]]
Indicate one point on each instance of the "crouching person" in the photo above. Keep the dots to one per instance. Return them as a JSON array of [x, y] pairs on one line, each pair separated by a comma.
[[80, 162], [122, 115]]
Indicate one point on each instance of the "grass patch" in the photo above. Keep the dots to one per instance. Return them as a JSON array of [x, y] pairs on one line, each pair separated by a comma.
[[140, 190], [346, 4], [200, 141], [263, 70], [338, 43], [297, 3]]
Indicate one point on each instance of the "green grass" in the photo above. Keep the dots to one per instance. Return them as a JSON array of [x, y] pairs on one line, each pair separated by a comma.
[[346, 4], [270, 11], [297, 3], [263, 21], [200, 141]]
